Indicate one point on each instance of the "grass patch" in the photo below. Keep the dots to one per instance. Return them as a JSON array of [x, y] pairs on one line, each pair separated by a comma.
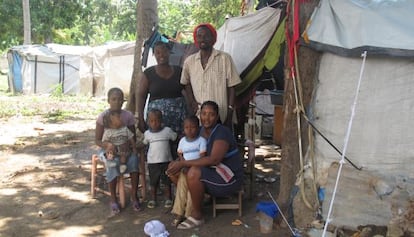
[[4, 84], [55, 107]]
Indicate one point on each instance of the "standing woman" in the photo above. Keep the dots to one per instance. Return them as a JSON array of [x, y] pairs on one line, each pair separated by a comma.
[[162, 83]]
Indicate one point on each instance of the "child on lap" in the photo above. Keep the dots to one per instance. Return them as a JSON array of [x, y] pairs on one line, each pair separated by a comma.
[[118, 134], [190, 147]]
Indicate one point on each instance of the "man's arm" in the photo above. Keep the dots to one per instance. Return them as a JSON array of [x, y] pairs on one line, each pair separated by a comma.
[[231, 95], [142, 97], [192, 103]]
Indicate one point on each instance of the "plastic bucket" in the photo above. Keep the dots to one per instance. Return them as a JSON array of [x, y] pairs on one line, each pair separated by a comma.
[[265, 223], [267, 211]]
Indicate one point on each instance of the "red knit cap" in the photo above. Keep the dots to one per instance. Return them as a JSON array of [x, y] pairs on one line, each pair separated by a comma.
[[210, 27]]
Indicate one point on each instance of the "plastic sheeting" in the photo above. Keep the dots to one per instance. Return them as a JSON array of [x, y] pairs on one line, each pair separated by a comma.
[[382, 129], [348, 27], [39, 69], [380, 139], [254, 41], [80, 69]]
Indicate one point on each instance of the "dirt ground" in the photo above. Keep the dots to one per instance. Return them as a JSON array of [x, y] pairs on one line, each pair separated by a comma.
[[45, 188]]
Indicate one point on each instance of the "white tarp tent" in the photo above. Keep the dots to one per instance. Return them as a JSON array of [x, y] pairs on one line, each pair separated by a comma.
[[80, 70], [381, 137], [380, 140], [39, 69], [113, 64]]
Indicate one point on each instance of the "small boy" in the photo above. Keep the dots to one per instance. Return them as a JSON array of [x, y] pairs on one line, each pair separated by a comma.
[[118, 134], [159, 155], [190, 147]]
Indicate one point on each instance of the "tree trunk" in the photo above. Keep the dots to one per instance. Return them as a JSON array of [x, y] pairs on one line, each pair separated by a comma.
[[26, 23], [306, 72], [147, 17]]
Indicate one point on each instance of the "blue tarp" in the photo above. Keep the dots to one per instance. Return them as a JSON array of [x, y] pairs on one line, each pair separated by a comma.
[[15, 68]]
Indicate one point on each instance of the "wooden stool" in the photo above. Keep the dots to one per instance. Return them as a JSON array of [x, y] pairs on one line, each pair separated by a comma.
[[229, 206], [99, 172], [248, 156]]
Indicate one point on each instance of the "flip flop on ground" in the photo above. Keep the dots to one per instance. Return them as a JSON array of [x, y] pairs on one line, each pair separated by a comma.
[[190, 223], [151, 204], [135, 206], [114, 208], [168, 203]]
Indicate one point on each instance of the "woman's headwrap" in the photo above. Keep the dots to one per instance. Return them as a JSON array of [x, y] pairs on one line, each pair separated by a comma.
[[210, 27]]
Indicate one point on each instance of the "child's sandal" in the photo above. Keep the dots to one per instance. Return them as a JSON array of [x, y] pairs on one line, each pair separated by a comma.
[[114, 209], [168, 203], [151, 204], [136, 207]]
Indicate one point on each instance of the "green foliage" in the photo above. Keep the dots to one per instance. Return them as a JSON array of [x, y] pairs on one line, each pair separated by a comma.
[[179, 15], [57, 115], [215, 11], [174, 16], [49, 15], [57, 91], [87, 22], [11, 27], [94, 22]]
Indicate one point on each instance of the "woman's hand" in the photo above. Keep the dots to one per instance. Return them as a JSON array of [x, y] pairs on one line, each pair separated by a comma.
[[141, 125], [195, 107], [174, 167]]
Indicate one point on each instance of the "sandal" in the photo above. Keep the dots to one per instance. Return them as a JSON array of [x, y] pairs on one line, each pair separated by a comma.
[[190, 223], [136, 207], [168, 203], [114, 208], [151, 204], [177, 221]]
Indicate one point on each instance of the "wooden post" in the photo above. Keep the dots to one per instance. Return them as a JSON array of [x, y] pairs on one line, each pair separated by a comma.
[[277, 125]]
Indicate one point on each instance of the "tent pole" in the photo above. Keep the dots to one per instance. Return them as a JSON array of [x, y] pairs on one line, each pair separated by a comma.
[[35, 76], [63, 74]]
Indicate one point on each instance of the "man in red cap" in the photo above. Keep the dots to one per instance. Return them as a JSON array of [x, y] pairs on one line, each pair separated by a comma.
[[210, 74]]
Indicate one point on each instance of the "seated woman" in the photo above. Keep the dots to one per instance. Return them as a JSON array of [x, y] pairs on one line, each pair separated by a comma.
[[115, 101], [219, 174]]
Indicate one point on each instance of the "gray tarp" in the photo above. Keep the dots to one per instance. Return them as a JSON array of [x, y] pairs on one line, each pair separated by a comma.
[[382, 131], [380, 139], [349, 27]]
